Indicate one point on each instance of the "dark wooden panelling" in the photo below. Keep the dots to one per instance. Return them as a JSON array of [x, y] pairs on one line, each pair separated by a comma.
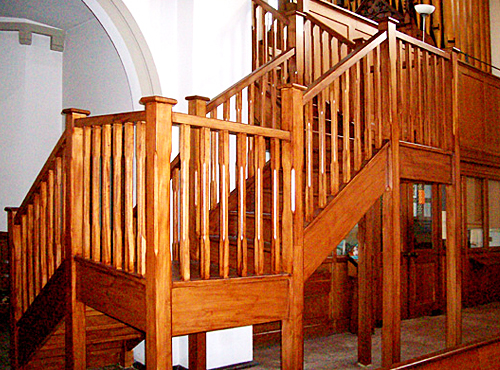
[[424, 165]]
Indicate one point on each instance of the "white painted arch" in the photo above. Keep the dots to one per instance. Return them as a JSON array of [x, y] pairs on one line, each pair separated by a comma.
[[130, 45]]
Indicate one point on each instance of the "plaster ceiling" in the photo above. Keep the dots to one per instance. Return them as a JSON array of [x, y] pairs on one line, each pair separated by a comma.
[[63, 14]]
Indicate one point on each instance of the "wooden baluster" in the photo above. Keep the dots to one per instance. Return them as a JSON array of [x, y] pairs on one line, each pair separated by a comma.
[[224, 204], [30, 255], [241, 167], [410, 93], [322, 184], [176, 227], [309, 162], [402, 90], [275, 211], [185, 155], [214, 188], [205, 202], [263, 102], [445, 82], [358, 151], [274, 98], [308, 53], [43, 234], [366, 64], [141, 200], [36, 244], [378, 102], [105, 194], [58, 206], [436, 102], [128, 197], [239, 107], [158, 258], [251, 120], [346, 123], [87, 150], [96, 194], [427, 74], [334, 114], [24, 263], [316, 56], [50, 223], [260, 153], [255, 42], [325, 52], [117, 196], [265, 41], [420, 94]]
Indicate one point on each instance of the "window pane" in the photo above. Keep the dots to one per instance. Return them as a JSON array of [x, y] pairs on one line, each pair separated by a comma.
[[422, 216], [494, 212], [474, 212]]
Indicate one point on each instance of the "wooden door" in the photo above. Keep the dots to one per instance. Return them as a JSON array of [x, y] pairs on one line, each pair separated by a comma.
[[421, 235]]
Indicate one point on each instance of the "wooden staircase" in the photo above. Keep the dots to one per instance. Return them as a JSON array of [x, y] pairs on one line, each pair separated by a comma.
[[255, 201]]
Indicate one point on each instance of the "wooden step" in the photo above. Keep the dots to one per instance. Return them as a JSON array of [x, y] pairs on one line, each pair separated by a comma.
[[109, 342]]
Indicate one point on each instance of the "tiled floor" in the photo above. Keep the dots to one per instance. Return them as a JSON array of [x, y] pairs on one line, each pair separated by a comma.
[[419, 336]]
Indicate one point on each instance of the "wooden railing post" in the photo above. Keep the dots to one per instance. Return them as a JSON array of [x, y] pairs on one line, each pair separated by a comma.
[[197, 105], [15, 304], [158, 259], [296, 39], [75, 310], [391, 311], [453, 226], [292, 335]]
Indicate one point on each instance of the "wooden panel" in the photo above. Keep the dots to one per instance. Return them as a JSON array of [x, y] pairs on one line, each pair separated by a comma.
[[113, 292], [220, 304], [471, 112], [420, 164]]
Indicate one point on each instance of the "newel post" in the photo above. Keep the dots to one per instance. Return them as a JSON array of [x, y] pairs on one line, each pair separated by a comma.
[[158, 259], [391, 309], [292, 335], [75, 310], [15, 304], [197, 105], [453, 224]]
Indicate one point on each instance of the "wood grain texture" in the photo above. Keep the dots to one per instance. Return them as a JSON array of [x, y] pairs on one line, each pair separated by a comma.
[[341, 214], [419, 163]]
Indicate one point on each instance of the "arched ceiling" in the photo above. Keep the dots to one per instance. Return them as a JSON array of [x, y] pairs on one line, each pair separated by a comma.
[[62, 14]]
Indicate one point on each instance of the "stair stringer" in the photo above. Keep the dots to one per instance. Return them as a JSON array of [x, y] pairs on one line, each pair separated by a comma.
[[43, 316], [333, 223]]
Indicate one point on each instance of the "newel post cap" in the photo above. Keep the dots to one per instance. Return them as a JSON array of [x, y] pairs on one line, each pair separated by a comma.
[[157, 99]]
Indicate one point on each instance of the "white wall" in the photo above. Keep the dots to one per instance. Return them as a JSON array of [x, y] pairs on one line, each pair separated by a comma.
[[30, 113], [495, 34], [93, 74], [199, 47]]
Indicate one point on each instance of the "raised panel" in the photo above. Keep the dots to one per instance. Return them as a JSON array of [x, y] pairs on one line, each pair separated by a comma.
[[492, 115], [471, 112]]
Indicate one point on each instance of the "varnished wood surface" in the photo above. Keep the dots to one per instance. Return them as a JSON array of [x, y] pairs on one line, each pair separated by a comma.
[[340, 216], [477, 356], [420, 164]]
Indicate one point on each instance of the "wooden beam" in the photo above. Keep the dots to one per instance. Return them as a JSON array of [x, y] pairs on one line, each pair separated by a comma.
[[453, 227], [158, 259], [421, 163], [391, 329]]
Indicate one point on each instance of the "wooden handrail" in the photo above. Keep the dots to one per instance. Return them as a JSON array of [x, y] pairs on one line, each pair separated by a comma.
[[271, 10], [41, 176], [431, 49], [330, 30], [249, 79], [337, 70], [232, 127], [109, 119]]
